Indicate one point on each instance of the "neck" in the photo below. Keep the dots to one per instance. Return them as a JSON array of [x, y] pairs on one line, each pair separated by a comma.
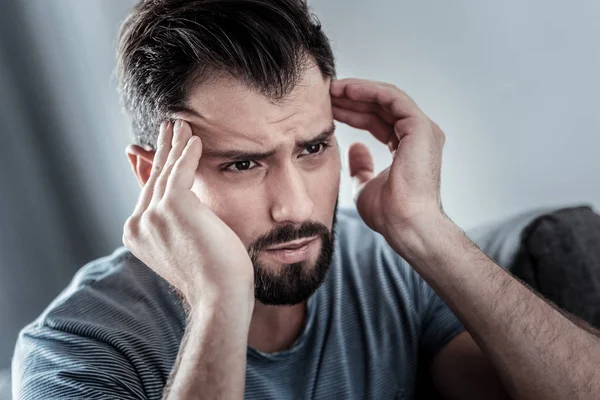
[[275, 328]]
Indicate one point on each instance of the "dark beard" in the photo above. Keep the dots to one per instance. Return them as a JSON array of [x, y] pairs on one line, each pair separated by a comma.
[[293, 283]]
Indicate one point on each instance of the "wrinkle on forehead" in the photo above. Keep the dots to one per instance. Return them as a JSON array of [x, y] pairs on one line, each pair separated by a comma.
[[228, 110]]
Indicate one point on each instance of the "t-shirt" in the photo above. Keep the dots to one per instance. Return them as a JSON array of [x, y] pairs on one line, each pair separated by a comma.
[[115, 331]]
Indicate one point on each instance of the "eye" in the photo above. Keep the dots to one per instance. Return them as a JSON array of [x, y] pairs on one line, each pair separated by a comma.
[[314, 148], [240, 166]]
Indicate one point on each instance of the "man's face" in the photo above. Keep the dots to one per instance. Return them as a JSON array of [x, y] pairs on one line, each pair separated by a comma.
[[271, 172]]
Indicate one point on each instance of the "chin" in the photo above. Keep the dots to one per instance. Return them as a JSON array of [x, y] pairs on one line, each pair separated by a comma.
[[277, 269], [287, 284]]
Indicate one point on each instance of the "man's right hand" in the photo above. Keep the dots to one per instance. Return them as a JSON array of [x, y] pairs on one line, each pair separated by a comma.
[[180, 238]]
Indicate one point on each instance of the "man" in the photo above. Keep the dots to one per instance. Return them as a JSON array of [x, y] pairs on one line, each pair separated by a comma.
[[233, 284]]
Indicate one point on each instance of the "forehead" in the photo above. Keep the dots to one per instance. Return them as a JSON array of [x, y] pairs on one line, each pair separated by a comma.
[[225, 110]]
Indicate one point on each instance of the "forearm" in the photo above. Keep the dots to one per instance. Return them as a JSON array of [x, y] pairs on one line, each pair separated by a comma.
[[538, 352], [212, 357]]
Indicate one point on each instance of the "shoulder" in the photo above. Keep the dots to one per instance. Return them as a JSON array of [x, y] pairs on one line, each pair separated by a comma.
[[115, 302], [117, 285], [116, 322], [390, 293]]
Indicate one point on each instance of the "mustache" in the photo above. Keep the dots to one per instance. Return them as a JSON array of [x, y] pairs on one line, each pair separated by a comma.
[[287, 233]]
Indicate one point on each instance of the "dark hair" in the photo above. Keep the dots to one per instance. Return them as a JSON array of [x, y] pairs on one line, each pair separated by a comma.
[[166, 46]]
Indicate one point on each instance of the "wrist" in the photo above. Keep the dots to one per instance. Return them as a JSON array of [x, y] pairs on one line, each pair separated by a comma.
[[233, 310], [236, 301], [235, 290], [213, 351], [422, 237]]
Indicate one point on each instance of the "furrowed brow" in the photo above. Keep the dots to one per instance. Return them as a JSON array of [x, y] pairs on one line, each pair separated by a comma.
[[242, 155], [239, 155], [321, 137]]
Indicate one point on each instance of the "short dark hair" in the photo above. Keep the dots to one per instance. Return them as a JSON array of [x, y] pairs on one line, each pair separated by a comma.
[[166, 46]]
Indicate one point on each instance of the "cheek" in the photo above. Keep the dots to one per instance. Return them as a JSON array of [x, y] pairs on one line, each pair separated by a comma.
[[325, 186]]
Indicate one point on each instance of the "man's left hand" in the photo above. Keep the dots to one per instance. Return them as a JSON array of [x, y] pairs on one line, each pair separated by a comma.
[[409, 189]]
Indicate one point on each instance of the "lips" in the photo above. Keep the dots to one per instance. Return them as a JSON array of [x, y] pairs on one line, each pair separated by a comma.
[[293, 245], [293, 252]]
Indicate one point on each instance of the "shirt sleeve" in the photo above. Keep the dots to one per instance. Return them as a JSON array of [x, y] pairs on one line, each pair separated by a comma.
[[52, 364], [439, 324]]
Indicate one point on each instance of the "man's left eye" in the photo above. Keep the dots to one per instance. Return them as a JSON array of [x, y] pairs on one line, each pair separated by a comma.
[[314, 148]]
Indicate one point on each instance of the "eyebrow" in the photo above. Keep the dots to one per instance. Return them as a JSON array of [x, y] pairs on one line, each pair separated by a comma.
[[241, 155], [321, 137]]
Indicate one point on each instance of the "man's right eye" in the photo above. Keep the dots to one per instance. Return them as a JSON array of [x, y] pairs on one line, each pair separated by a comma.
[[240, 166]]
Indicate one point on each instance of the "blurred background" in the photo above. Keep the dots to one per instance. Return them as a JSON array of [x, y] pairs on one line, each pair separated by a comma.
[[514, 84]]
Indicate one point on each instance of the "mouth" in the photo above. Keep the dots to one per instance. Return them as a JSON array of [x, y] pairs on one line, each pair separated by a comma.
[[294, 251], [293, 245]]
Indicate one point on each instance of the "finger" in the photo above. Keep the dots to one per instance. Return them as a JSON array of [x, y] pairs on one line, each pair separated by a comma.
[[184, 171], [361, 166], [393, 143], [412, 126], [363, 106], [391, 98], [163, 145], [181, 134], [337, 86], [382, 131], [374, 108]]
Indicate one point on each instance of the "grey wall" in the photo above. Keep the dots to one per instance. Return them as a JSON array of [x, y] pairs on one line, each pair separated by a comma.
[[514, 84], [65, 186]]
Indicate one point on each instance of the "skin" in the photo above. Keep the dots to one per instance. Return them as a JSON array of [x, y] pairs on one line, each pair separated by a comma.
[[286, 188], [538, 352], [187, 210]]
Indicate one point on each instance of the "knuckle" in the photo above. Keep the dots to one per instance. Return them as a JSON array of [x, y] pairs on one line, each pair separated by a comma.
[[167, 167], [395, 90], [438, 132], [156, 169], [131, 224], [411, 127], [153, 216], [130, 230]]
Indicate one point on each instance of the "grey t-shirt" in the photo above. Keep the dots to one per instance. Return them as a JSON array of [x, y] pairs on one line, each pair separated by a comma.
[[115, 332]]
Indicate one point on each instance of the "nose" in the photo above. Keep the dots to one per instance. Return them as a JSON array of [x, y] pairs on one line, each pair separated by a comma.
[[291, 202]]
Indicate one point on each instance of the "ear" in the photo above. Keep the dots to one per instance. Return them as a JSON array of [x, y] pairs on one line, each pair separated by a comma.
[[141, 162]]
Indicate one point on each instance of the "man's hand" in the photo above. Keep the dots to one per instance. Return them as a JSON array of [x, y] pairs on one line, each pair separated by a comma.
[[410, 187], [538, 353], [180, 238]]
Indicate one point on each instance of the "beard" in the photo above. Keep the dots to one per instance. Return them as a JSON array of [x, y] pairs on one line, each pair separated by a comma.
[[292, 283]]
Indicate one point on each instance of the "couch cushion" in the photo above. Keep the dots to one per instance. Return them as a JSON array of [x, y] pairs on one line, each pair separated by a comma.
[[559, 256], [500, 240]]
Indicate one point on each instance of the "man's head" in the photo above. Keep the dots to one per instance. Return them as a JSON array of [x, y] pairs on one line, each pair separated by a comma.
[[252, 79]]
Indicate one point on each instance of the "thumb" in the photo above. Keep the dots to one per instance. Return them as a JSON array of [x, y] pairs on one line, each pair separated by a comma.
[[361, 166]]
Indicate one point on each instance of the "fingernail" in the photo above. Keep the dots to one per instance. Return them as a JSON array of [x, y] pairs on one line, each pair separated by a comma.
[[178, 124]]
